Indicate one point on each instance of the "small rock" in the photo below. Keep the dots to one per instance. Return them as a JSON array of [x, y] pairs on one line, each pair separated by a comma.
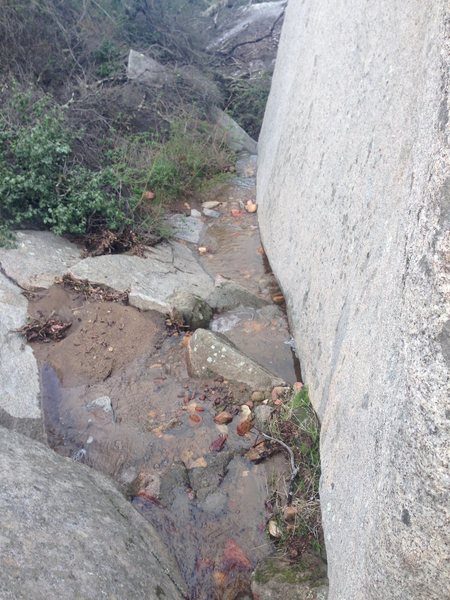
[[274, 530], [258, 396], [202, 250], [228, 295], [190, 309], [290, 514], [210, 204], [244, 427], [186, 228], [195, 213], [251, 207], [208, 212], [263, 413], [103, 402], [223, 418]]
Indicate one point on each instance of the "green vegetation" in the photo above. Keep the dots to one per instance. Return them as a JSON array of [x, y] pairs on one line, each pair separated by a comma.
[[43, 183], [246, 102], [298, 525]]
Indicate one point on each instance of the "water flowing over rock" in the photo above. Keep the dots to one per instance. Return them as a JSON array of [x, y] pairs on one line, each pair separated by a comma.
[[67, 532], [353, 162]]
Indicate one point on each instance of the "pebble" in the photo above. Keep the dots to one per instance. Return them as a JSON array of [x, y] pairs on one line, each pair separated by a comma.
[[195, 213], [257, 396], [223, 418]]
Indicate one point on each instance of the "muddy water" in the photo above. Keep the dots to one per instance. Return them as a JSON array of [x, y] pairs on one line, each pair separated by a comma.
[[117, 396]]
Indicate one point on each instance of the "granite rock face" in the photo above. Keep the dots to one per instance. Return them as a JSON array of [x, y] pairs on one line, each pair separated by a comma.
[[354, 207], [67, 532], [20, 397]]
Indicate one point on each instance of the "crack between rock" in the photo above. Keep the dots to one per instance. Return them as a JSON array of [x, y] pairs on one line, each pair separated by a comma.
[[12, 280]]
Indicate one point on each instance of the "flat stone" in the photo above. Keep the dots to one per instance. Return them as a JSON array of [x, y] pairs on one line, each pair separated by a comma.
[[195, 213], [236, 138], [210, 204], [19, 398], [208, 212], [186, 228], [147, 70], [103, 403], [67, 532], [247, 165], [165, 269], [39, 257], [211, 354], [228, 294]]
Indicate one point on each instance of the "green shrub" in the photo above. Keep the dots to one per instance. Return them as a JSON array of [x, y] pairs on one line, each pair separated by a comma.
[[43, 185], [247, 102]]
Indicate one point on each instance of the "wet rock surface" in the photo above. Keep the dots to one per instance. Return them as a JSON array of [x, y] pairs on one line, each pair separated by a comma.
[[212, 355], [19, 399], [67, 532]]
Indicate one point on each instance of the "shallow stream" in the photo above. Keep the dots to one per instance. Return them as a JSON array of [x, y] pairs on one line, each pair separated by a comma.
[[117, 395]]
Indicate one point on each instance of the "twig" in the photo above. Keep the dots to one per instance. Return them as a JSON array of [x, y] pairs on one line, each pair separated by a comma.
[[295, 469]]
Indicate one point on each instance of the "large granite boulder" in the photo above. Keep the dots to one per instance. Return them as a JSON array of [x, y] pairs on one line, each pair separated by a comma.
[[20, 396], [354, 207], [66, 532]]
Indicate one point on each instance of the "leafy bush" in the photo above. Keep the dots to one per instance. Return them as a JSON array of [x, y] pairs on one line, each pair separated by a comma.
[[42, 184], [247, 102]]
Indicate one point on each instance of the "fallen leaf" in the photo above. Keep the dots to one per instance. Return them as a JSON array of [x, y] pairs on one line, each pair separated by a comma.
[[278, 299], [202, 250], [149, 195], [289, 513], [223, 418], [199, 408], [195, 419], [198, 463], [219, 578], [259, 452], [235, 212], [234, 557], [274, 530], [251, 207], [244, 427], [218, 444]]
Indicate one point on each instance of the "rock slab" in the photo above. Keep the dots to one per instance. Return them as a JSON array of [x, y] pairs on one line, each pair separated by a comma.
[[354, 164], [211, 354], [67, 532], [166, 269], [39, 257], [19, 398]]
